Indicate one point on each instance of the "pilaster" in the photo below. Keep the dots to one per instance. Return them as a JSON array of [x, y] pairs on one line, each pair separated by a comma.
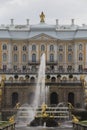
[[75, 56]]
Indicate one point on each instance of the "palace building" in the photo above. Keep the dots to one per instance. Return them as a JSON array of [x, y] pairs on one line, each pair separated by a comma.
[[21, 47]]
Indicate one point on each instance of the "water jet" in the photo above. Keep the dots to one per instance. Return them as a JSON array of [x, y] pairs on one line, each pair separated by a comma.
[[39, 114]]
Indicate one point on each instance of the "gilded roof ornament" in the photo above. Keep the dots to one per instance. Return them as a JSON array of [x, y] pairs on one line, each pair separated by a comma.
[[42, 17]]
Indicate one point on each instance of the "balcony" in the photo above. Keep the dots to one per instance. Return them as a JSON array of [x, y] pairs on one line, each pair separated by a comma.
[[33, 62], [35, 71], [51, 62], [48, 82]]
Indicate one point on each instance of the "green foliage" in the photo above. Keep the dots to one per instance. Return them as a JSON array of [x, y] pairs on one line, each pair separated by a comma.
[[83, 122], [4, 123]]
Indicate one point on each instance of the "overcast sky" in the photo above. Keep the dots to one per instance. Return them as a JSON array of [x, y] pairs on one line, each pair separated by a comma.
[[64, 10]]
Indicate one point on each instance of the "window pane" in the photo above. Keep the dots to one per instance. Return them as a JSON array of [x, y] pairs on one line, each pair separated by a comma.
[[80, 56], [60, 48], [15, 48], [42, 47], [69, 57], [69, 48], [15, 58], [60, 58], [51, 58], [4, 47], [4, 57], [33, 48], [51, 47], [80, 47], [24, 58], [33, 57], [24, 48]]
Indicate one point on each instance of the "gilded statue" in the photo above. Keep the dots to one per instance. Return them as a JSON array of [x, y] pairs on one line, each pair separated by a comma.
[[75, 119], [17, 105], [2, 83], [12, 119], [44, 106], [42, 17], [0, 92]]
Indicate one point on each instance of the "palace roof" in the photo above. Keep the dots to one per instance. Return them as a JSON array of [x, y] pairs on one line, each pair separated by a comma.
[[60, 32]]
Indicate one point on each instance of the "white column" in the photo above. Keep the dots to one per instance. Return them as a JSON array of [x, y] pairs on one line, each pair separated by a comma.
[[65, 57], [30, 52], [75, 57], [48, 52], [20, 56], [9, 65], [55, 54], [86, 57], [37, 53]]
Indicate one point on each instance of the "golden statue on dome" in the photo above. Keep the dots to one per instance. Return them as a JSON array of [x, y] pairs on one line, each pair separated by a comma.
[[42, 17]]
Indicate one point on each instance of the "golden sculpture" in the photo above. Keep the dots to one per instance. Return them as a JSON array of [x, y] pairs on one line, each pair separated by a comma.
[[42, 17], [82, 77], [17, 105], [44, 114], [0, 92], [74, 119], [2, 83], [70, 105], [12, 119]]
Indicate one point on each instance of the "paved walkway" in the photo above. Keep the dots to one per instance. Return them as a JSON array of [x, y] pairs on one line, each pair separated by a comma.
[[41, 128]]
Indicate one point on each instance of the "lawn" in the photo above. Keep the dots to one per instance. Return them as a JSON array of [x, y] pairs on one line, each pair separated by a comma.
[[83, 122], [4, 123]]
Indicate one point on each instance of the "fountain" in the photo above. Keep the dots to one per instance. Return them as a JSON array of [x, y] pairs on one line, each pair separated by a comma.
[[40, 114], [40, 87]]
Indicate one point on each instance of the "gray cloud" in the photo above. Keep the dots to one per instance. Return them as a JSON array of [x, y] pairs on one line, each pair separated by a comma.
[[61, 9]]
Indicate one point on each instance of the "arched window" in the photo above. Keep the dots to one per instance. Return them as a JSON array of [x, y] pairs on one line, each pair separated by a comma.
[[24, 48], [15, 67], [80, 47], [80, 68], [24, 58], [4, 47], [69, 57], [80, 56], [60, 58], [53, 79], [60, 48], [51, 58], [15, 48], [42, 48], [14, 99], [4, 67], [31, 97], [15, 57], [69, 48], [4, 57], [71, 98], [51, 47], [32, 79], [54, 98], [33, 48], [33, 57]]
